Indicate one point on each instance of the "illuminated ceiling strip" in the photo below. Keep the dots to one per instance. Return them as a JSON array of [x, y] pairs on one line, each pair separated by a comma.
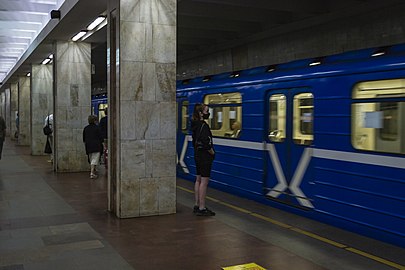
[[79, 35], [95, 23]]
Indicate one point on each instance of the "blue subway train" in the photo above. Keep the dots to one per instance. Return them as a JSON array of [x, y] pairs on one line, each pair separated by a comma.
[[323, 138]]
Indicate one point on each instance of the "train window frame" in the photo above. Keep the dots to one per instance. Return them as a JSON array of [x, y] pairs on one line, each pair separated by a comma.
[[184, 116], [376, 113], [277, 118], [102, 107], [303, 113], [225, 114]]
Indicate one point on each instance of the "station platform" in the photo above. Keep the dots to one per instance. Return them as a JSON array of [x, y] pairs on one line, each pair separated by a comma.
[[60, 221]]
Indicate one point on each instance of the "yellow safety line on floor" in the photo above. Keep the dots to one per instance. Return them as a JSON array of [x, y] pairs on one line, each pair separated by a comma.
[[320, 238], [309, 234], [375, 258]]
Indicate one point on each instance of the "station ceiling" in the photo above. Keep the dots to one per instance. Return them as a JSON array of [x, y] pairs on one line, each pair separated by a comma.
[[203, 26]]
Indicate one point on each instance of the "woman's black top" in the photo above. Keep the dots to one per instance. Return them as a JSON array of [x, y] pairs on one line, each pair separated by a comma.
[[202, 132], [92, 139]]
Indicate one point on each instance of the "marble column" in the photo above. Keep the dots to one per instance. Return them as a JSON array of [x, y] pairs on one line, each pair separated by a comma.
[[41, 104], [13, 108], [145, 108], [24, 110], [3, 105], [8, 115], [72, 104]]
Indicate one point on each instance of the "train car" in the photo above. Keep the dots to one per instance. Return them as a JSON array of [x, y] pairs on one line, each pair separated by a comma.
[[99, 104], [323, 138]]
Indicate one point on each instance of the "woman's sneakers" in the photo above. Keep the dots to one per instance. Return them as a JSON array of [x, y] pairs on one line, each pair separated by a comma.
[[205, 212], [202, 212], [93, 176]]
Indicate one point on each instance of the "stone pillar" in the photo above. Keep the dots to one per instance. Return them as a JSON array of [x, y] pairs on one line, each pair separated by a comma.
[[72, 104], [145, 116], [3, 105], [8, 115], [24, 110], [41, 104], [13, 108]]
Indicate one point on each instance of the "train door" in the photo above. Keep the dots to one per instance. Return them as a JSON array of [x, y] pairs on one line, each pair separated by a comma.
[[288, 140], [182, 124]]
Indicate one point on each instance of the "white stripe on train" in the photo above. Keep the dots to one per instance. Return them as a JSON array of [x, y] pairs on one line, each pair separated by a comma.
[[393, 162]]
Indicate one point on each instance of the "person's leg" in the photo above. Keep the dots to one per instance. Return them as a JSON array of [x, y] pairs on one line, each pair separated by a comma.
[[202, 192], [94, 159], [197, 192], [205, 178], [50, 138]]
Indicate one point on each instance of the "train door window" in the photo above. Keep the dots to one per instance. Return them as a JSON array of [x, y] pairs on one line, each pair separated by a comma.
[[378, 116], [303, 126], [277, 117], [225, 114], [101, 110], [184, 116]]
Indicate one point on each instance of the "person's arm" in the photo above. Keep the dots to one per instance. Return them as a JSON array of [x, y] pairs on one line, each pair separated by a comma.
[[206, 139]]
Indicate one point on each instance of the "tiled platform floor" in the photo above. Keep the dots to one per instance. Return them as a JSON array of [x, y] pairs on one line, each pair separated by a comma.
[[60, 221]]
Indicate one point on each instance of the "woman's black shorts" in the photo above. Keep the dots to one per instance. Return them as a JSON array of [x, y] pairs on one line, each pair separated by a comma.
[[203, 162]]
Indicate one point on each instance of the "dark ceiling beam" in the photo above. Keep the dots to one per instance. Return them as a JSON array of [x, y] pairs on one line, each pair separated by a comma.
[[195, 41], [220, 24], [204, 33], [295, 6], [227, 12], [360, 8]]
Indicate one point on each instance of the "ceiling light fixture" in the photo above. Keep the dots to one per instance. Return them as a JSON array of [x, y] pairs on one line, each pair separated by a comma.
[[379, 52], [46, 61], [79, 35], [95, 23], [98, 27]]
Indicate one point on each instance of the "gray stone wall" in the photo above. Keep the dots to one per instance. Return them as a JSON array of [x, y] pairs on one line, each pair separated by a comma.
[[373, 29], [24, 110], [3, 105], [8, 114], [147, 155], [42, 104], [72, 104], [13, 107]]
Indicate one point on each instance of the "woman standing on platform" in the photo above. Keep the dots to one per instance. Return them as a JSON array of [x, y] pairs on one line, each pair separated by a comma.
[[203, 155], [93, 142]]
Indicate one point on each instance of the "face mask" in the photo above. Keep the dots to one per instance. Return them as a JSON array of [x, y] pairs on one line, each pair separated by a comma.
[[206, 115]]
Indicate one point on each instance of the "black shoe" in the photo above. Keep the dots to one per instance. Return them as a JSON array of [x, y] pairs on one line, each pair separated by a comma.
[[195, 209], [205, 212]]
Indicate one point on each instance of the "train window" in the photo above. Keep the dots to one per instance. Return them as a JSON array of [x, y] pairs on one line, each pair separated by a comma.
[[184, 116], [303, 126], [378, 124], [225, 114], [277, 117], [101, 110]]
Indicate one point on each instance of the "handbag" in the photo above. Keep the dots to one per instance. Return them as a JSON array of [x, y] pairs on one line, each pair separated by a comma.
[[47, 129]]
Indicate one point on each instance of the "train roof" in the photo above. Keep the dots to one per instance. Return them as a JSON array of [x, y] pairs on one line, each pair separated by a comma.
[[365, 60]]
